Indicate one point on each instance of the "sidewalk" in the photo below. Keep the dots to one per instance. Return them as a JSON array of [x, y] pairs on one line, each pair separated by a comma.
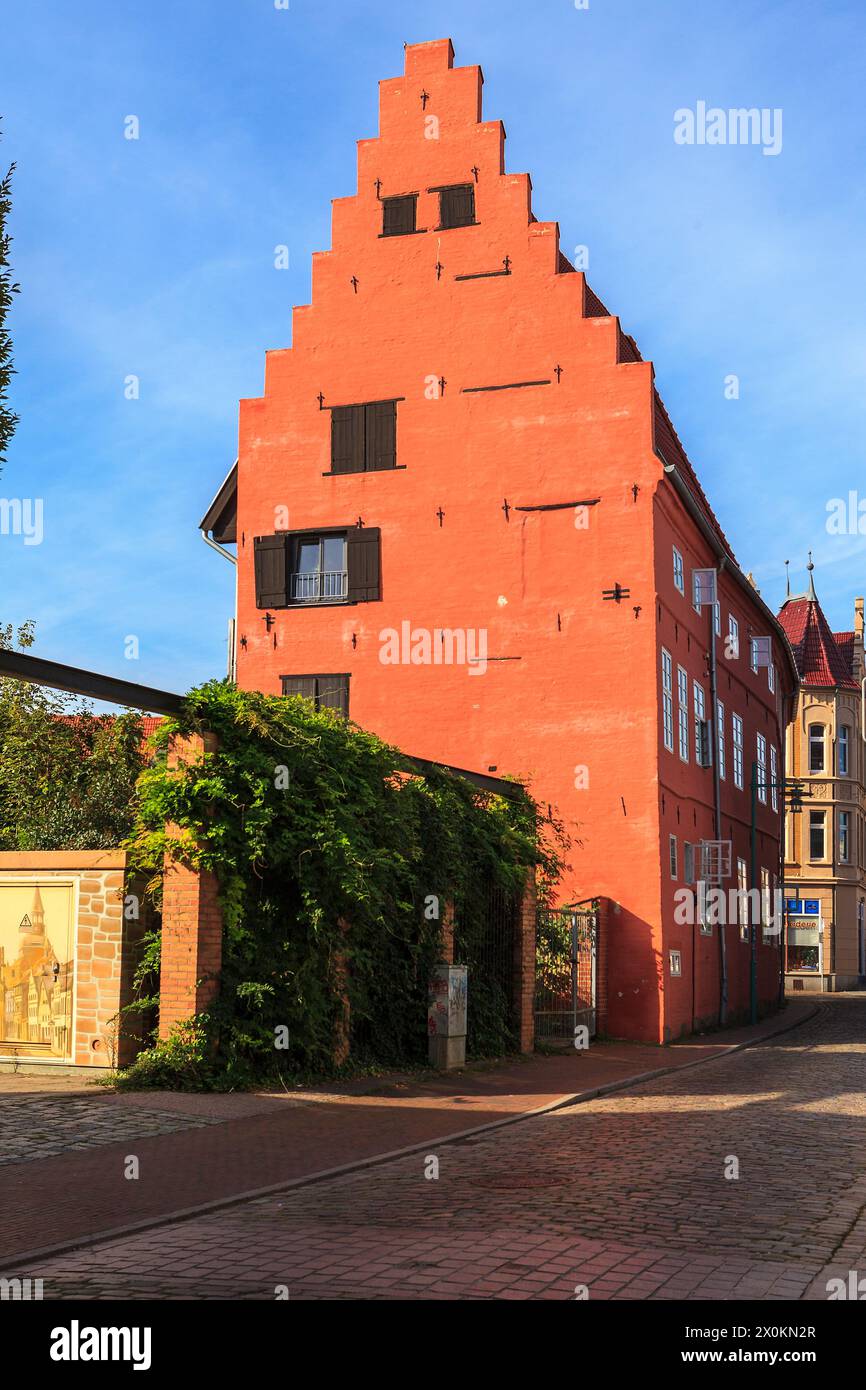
[[195, 1150]]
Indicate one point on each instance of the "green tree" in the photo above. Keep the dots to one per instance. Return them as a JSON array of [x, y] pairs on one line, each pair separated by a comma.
[[8, 287], [67, 775]]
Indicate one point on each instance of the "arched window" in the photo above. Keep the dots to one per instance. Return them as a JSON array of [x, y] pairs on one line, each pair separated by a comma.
[[816, 747]]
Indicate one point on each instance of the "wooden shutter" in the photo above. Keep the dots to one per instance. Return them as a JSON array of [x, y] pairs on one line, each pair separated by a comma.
[[333, 693], [363, 565], [381, 428], [271, 568], [347, 439], [300, 685], [398, 215], [457, 206]]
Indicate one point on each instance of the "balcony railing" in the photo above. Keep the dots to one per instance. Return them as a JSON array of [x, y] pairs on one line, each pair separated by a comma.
[[319, 586]]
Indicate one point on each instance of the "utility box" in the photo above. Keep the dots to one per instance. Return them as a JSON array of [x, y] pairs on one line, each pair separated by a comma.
[[446, 1016]]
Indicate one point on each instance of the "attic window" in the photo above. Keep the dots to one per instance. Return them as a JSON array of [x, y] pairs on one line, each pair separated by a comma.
[[457, 206], [399, 215]]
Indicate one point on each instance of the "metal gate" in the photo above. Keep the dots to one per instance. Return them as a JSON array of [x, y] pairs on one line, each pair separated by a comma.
[[565, 971]]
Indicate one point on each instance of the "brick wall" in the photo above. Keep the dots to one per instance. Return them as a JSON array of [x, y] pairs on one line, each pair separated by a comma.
[[105, 948], [524, 966]]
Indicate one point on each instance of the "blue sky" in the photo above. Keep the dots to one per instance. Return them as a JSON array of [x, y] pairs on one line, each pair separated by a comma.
[[155, 258]]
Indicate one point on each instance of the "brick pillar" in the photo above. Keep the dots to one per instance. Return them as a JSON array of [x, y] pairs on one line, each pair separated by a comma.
[[601, 954], [524, 966], [192, 923]]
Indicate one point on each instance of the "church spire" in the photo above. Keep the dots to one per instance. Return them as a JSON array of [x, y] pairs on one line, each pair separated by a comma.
[[811, 568]]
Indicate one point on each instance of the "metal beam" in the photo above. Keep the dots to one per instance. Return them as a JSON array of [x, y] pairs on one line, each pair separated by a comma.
[[38, 671], [35, 669]]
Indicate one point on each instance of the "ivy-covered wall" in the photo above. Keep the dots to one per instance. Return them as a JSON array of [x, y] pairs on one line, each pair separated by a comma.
[[334, 865]]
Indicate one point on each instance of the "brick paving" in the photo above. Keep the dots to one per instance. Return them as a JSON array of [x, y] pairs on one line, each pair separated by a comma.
[[625, 1196], [44, 1126]]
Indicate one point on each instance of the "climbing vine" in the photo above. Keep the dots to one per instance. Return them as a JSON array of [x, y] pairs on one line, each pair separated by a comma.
[[334, 863]]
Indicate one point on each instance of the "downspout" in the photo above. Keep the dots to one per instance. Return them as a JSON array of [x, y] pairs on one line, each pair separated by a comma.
[[717, 798], [233, 559]]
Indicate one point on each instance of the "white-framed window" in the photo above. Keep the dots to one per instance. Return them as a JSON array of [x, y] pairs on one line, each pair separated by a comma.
[[733, 642], [676, 962], [717, 619], [817, 834], [774, 777], [683, 712], [698, 692], [737, 735], [845, 836], [816, 747], [766, 909], [762, 769], [679, 572], [688, 863], [696, 602], [705, 926], [771, 678], [753, 655], [720, 717], [743, 899], [842, 748], [672, 845], [668, 699]]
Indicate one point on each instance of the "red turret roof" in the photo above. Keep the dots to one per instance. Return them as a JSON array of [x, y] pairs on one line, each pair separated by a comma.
[[822, 658]]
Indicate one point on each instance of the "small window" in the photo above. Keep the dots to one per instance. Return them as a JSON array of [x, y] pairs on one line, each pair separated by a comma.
[[817, 831], [743, 899], [720, 719], [457, 206], [679, 572], [676, 962], [325, 692], [683, 712], [737, 726], [766, 906], [845, 836], [753, 653], [303, 567], [701, 740], [733, 642], [762, 768], [689, 863], [717, 619], [672, 842], [816, 747], [774, 777], [399, 214], [667, 700], [364, 437], [842, 752], [696, 592], [771, 678]]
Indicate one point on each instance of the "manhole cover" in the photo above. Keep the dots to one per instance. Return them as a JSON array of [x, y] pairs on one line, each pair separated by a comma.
[[520, 1180]]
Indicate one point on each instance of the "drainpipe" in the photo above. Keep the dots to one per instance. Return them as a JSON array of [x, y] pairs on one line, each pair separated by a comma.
[[717, 796], [221, 550]]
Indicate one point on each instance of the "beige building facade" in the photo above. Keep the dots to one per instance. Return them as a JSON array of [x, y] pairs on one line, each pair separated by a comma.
[[825, 841]]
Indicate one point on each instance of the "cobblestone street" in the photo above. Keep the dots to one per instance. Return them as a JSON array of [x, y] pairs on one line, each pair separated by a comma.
[[626, 1196]]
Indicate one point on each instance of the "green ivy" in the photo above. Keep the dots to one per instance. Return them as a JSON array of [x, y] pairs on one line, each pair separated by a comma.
[[327, 850]]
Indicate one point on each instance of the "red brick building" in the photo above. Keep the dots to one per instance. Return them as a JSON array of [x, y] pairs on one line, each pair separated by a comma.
[[463, 517]]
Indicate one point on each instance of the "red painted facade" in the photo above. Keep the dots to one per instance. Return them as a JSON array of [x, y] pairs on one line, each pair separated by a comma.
[[570, 697]]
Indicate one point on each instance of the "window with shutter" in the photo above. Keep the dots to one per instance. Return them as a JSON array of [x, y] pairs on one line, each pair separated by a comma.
[[325, 691], [399, 214], [457, 206], [271, 570], [347, 439], [363, 564], [381, 435], [364, 437]]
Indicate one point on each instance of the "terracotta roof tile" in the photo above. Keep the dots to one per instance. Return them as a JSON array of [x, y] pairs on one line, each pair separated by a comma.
[[820, 659]]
